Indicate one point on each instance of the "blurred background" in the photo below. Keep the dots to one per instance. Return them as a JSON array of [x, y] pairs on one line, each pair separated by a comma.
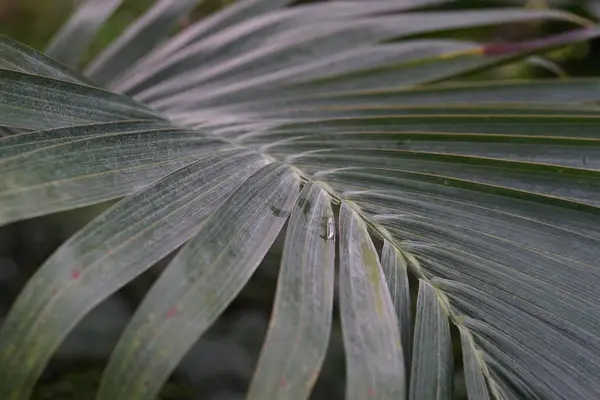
[[221, 363]]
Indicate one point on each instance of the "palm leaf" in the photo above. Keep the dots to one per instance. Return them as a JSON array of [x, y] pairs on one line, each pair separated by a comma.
[[374, 356], [68, 45], [486, 192], [30, 101], [301, 323], [396, 277], [474, 367], [139, 38], [115, 248], [431, 374], [21, 58], [199, 283]]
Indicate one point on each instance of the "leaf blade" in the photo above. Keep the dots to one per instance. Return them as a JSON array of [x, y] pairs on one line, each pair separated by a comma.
[[476, 386], [73, 38], [395, 272], [169, 318], [93, 169], [374, 359], [30, 141], [530, 265], [139, 38], [35, 102], [17, 57], [116, 247], [295, 346], [432, 349]]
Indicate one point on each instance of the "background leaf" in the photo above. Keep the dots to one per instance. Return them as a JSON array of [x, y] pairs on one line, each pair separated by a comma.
[[70, 42], [139, 38]]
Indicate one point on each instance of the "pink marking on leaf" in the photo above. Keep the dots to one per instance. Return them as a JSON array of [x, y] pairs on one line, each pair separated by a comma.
[[283, 382], [75, 275], [171, 312], [371, 392], [502, 49]]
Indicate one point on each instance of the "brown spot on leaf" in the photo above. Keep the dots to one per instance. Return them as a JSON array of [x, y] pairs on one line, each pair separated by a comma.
[[184, 22]]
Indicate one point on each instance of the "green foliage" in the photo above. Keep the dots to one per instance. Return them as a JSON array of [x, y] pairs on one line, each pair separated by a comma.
[[259, 114]]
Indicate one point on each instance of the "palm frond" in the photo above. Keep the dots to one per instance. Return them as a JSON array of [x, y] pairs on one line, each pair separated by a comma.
[[486, 192]]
